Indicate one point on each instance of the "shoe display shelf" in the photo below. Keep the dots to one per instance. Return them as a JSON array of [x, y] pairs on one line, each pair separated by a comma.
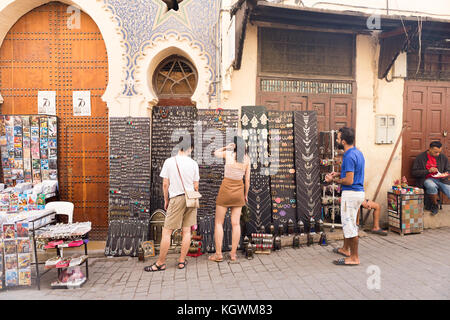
[[64, 264]]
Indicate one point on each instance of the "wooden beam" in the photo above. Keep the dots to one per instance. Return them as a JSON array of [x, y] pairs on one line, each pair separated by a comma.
[[395, 32], [299, 23], [305, 28]]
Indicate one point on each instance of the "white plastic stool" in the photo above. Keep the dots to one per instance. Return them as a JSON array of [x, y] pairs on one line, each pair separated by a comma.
[[62, 207]]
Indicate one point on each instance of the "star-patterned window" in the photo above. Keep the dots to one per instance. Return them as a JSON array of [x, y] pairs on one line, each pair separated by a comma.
[[172, 4], [175, 77]]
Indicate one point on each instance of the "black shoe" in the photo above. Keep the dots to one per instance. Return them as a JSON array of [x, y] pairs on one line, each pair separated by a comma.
[[434, 209]]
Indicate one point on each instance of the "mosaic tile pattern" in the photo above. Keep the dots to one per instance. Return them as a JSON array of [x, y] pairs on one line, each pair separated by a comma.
[[141, 22]]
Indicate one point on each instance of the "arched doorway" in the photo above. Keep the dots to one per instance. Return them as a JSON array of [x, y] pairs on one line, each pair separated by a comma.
[[41, 52], [174, 81]]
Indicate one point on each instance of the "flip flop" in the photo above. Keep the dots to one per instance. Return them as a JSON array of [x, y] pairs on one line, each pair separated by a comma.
[[183, 265], [341, 262], [380, 232], [214, 258], [158, 268], [336, 250]]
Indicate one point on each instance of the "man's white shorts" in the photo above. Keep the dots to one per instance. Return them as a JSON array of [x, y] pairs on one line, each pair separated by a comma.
[[350, 203]]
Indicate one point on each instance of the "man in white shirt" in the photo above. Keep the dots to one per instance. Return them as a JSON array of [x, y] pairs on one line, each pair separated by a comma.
[[177, 214]]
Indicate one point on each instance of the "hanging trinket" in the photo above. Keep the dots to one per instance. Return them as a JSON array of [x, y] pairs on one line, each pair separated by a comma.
[[245, 120], [254, 122], [263, 119], [245, 134]]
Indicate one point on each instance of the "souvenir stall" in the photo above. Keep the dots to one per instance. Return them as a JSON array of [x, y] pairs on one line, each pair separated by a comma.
[[285, 191], [29, 151]]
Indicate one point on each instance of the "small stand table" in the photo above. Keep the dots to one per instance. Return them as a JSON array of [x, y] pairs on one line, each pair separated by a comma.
[[405, 213]]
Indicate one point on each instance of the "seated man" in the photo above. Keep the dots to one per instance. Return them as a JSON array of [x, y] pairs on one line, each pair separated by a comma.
[[369, 205], [430, 168]]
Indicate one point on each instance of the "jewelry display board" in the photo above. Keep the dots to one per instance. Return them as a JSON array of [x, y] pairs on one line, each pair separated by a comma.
[[129, 168], [214, 129], [167, 122], [29, 148], [254, 121], [307, 166], [282, 169]]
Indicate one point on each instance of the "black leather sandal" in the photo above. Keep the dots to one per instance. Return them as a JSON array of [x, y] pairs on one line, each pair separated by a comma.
[[183, 265], [158, 268]]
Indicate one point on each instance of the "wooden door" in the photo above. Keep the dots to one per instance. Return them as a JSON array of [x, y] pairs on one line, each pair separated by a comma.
[[40, 52], [414, 139], [425, 112]]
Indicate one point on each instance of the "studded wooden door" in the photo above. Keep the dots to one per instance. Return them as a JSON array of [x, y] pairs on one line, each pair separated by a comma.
[[45, 51]]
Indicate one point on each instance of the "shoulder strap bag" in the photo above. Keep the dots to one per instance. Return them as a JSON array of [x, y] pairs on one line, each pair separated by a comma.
[[192, 197]]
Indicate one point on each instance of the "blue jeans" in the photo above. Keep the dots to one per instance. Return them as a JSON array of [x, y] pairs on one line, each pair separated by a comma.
[[432, 186]]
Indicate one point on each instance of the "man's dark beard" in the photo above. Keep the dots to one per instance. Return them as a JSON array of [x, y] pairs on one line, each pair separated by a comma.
[[340, 146]]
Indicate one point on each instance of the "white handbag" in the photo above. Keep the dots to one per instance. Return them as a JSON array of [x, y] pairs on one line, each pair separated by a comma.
[[192, 197]]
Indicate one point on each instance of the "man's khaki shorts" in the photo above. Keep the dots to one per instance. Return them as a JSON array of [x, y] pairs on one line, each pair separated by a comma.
[[178, 215]]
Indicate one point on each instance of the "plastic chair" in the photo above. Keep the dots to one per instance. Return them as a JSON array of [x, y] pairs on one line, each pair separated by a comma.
[[62, 207]]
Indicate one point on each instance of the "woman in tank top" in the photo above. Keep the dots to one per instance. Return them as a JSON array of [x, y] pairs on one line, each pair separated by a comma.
[[233, 194]]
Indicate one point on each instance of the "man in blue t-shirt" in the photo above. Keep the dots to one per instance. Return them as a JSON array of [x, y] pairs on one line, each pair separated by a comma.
[[352, 181]]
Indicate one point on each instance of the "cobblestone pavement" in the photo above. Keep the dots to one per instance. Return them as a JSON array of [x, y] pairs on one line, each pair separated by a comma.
[[411, 267]]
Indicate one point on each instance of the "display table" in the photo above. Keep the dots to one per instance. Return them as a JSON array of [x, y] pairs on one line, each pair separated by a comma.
[[36, 219], [405, 212], [41, 226]]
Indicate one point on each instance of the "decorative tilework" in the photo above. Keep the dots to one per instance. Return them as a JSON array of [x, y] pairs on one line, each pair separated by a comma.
[[141, 22]]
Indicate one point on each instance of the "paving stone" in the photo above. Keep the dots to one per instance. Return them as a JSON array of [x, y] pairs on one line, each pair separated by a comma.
[[412, 267]]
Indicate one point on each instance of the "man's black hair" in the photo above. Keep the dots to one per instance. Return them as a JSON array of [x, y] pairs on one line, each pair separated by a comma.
[[347, 134], [186, 143], [436, 144]]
